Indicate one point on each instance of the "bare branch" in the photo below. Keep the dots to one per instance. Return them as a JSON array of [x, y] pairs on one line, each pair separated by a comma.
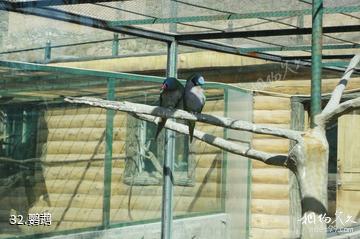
[[341, 109], [184, 115], [272, 159], [339, 89]]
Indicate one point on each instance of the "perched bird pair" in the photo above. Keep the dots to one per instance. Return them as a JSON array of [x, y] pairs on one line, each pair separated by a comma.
[[190, 98]]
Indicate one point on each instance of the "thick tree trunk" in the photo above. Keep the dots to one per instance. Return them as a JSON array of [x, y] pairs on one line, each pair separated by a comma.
[[312, 170]]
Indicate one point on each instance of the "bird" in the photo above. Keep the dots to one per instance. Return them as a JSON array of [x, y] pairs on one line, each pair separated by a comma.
[[194, 98], [171, 95]]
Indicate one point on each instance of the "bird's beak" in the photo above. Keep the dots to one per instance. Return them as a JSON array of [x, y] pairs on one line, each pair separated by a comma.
[[163, 87]]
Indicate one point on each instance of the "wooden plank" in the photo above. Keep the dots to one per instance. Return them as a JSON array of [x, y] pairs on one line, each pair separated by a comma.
[[347, 202], [207, 160], [348, 148], [271, 116], [270, 175], [79, 160], [280, 146], [270, 221], [348, 191], [206, 200], [350, 182], [199, 147], [79, 147], [266, 136], [276, 233], [80, 121], [259, 164], [271, 103], [303, 86], [80, 110], [78, 134], [269, 191], [214, 105], [270, 206]]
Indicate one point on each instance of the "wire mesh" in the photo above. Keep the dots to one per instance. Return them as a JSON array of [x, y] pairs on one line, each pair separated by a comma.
[[64, 145]]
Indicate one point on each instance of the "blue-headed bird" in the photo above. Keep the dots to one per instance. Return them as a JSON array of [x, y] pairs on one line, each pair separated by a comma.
[[194, 98]]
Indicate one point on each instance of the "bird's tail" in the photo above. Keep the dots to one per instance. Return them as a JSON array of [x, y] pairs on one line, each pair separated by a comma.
[[191, 125], [161, 125]]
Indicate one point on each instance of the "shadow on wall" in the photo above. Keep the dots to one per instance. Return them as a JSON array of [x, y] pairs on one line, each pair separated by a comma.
[[21, 175]]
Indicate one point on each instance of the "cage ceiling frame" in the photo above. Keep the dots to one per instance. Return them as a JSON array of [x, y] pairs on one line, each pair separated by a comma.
[[44, 8]]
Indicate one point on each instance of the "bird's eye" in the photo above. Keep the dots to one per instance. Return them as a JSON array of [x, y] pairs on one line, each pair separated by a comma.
[[201, 80]]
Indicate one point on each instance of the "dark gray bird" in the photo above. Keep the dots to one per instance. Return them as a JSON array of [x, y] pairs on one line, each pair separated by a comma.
[[171, 95], [194, 98]]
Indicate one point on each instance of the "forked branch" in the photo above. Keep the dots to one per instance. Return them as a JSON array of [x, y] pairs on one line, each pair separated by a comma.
[[273, 159], [339, 110], [339, 89], [184, 115]]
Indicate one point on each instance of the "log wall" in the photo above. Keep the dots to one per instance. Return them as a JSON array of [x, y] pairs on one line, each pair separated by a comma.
[[71, 144], [270, 184]]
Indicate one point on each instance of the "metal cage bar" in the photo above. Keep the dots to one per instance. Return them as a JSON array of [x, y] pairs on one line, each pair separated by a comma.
[[168, 168]]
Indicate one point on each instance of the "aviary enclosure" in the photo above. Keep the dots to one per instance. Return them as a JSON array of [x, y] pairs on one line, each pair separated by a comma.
[[79, 89]]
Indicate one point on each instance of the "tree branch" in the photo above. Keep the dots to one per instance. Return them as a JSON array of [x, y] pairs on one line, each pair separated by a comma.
[[341, 109], [339, 89], [184, 115], [272, 159]]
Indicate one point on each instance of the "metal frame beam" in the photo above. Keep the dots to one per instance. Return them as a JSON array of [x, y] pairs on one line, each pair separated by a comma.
[[327, 57], [233, 16], [265, 33], [298, 48], [45, 3], [160, 36], [78, 71], [61, 15]]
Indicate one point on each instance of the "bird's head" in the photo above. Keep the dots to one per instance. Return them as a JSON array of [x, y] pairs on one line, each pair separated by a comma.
[[169, 84], [198, 79]]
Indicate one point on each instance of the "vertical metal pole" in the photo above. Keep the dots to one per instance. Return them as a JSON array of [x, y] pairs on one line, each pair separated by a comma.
[[47, 55], [173, 13], [316, 56], [167, 196], [300, 23], [108, 155], [115, 45], [108, 144]]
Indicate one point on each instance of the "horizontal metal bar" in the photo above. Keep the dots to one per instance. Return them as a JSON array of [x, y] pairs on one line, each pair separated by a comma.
[[78, 71], [265, 33], [328, 57], [235, 16], [65, 45], [298, 48], [61, 15], [94, 74], [22, 50], [96, 23], [340, 64], [45, 3], [53, 86], [259, 55], [215, 46]]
